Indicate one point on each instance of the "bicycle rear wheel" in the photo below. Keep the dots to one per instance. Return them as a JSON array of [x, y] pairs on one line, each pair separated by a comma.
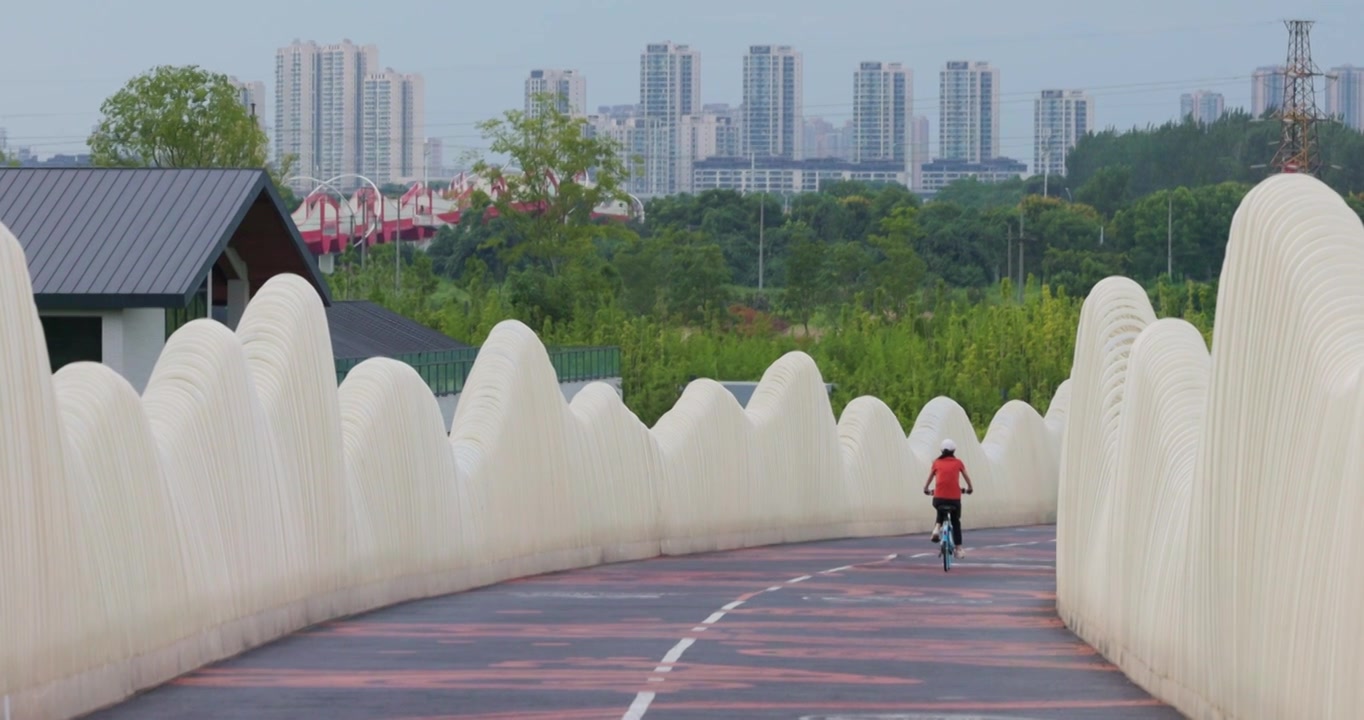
[[947, 549]]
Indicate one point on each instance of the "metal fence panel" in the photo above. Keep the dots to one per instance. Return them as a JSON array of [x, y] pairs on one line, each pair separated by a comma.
[[445, 371]]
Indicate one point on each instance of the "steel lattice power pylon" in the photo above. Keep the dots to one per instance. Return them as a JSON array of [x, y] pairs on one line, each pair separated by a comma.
[[1298, 112]]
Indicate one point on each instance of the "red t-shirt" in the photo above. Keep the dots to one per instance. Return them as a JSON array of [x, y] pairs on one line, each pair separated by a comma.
[[948, 485]]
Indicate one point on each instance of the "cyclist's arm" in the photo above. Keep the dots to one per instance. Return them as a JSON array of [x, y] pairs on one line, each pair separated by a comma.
[[967, 476], [929, 483]]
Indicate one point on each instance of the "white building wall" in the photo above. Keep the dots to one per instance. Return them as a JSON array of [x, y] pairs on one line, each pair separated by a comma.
[[143, 332], [131, 340]]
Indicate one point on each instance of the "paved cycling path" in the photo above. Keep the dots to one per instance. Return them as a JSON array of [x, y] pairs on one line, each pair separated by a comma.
[[822, 630]]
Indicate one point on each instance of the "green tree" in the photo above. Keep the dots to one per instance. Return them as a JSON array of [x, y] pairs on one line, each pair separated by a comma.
[[897, 270], [807, 285], [7, 162], [1356, 203], [1107, 190], [546, 204], [177, 117], [697, 277]]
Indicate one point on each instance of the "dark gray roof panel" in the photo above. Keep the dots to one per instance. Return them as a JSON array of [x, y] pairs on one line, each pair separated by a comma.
[[364, 329], [115, 231]]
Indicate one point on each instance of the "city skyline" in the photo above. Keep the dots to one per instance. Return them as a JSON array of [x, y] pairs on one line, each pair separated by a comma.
[[470, 78]]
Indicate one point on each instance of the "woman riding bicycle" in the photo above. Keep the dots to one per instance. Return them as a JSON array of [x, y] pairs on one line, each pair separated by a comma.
[[947, 493]]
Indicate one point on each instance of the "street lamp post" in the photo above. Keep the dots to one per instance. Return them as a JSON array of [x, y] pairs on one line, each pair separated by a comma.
[[330, 183]]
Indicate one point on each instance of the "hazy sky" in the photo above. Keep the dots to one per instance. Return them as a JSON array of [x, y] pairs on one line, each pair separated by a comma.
[[62, 59]]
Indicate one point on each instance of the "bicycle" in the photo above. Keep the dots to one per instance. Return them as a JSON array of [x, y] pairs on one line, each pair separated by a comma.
[[946, 548]]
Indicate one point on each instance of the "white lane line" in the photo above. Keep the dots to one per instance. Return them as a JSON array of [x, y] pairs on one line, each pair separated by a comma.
[[674, 654], [835, 570], [644, 698], [639, 706]]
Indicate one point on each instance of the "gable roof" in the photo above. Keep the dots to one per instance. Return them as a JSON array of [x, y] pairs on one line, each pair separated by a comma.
[[132, 237], [362, 329]]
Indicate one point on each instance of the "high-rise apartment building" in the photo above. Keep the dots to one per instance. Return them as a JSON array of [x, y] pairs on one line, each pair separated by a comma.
[[569, 86], [1205, 107], [669, 88], [919, 153], [318, 108], [703, 136], [1345, 95], [1266, 89], [435, 156], [883, 105], [393, 132], [632, 136], [1060, 119], [619, 112], [251, 94], [968, 111], [728, 122], [773, 107], [823, 139], [296, 105]]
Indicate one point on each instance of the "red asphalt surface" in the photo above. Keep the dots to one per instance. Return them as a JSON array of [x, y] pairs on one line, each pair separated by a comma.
[[836, 630]]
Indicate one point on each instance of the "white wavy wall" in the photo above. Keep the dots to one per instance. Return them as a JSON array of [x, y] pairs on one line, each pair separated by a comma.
[[244, 495], [1210, 504]]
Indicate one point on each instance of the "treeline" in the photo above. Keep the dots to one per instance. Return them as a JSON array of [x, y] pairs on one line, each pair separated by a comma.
[[895, 297], [980, 348], [1114, 168], [877, 246]]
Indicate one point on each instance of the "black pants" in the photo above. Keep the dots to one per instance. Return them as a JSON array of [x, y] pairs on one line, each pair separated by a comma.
[[952, 508]]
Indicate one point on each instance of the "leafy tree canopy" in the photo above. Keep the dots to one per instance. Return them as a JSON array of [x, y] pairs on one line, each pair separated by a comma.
[[545, 202], [177, 117]]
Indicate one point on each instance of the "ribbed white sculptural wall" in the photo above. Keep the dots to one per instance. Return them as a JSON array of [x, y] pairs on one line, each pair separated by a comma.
[[244, 495], [1209, 514]]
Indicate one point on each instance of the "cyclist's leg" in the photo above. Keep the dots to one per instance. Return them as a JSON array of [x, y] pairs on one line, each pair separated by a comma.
[[941, 507], [955, 511]]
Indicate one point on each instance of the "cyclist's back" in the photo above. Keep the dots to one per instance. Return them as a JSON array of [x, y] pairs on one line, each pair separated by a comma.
[[949, 471]]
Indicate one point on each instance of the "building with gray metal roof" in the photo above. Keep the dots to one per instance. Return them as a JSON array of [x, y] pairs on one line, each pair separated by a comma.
[[121, 257]]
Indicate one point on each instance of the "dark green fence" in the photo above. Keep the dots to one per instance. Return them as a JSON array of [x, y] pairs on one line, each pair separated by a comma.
[[445, 371]]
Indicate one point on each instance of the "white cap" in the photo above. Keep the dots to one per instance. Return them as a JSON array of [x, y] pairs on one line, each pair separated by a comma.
[[949, 445]]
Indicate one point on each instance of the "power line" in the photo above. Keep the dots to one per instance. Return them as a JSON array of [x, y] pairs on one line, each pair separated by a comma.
[[1298, 112]]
